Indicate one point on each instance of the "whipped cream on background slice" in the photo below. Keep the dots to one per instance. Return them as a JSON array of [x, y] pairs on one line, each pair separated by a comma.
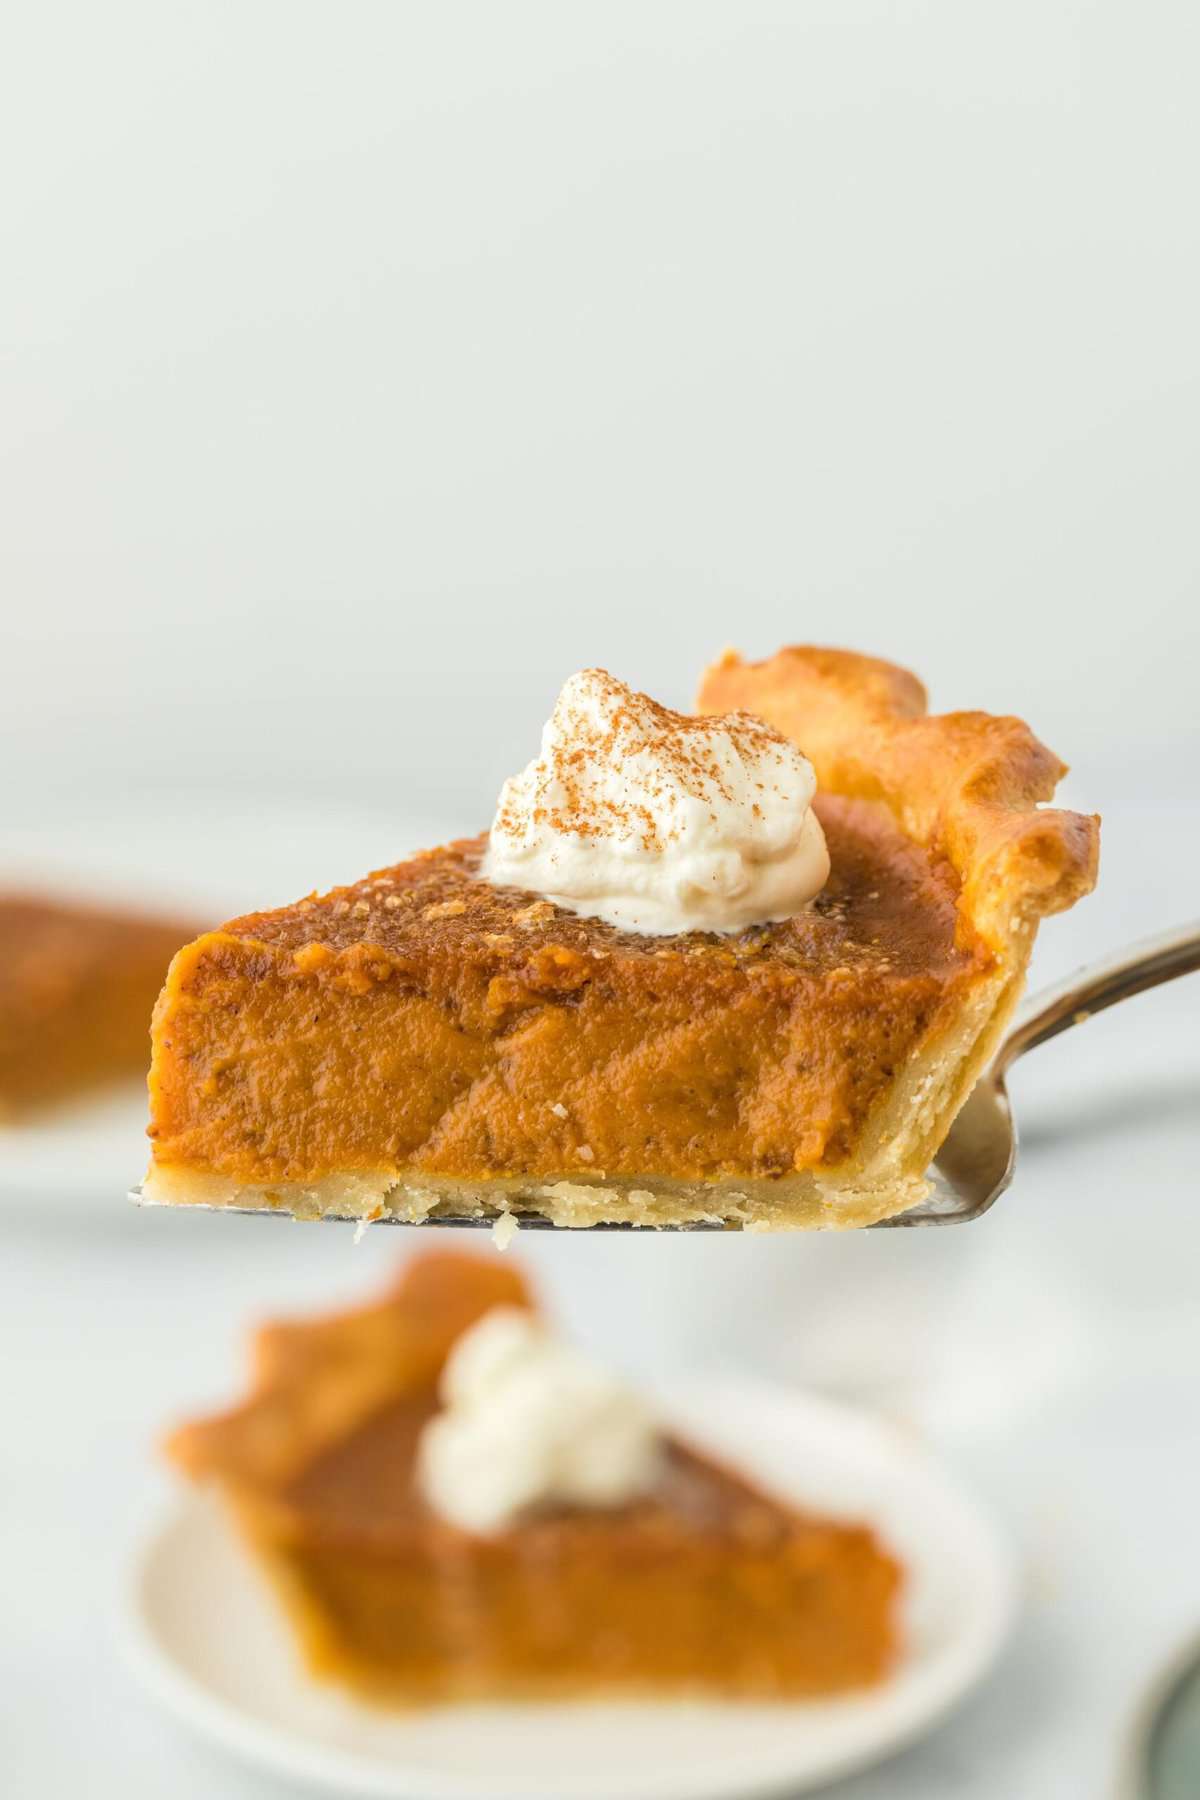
[[658, 821], [530, 1422]]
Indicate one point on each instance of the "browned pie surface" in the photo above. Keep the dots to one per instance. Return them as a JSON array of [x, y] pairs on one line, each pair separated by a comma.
[[426, 1021], [364, 1487], [707, 1584], [77, 988]]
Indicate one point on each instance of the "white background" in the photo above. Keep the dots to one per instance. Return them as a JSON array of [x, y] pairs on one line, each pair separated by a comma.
[[368, 368], [364, 370]]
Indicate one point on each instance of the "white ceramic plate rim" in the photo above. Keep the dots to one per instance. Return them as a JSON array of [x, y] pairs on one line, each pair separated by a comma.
[[729, 1416]]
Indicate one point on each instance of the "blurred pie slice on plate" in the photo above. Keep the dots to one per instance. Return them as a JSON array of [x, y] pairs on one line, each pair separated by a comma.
[[337, 1633], [687, 1579], [78, 983]]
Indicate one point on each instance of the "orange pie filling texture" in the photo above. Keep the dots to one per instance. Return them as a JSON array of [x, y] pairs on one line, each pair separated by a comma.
[[424, 1020]]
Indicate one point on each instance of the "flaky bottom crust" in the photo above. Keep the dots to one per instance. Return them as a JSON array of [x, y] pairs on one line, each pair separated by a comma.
[[798, 1203]]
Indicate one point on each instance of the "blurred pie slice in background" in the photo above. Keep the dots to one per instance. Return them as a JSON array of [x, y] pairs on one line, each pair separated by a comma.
[[700, 1583], [78, 984]]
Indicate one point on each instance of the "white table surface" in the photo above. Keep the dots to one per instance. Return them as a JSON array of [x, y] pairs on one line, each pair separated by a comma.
[[1062, 1340]]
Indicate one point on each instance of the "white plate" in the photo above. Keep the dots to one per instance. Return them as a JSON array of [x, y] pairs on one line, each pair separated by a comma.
[[206, 1638]]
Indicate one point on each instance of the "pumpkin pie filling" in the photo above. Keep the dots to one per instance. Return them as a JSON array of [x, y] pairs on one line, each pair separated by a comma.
[[422, 1019]]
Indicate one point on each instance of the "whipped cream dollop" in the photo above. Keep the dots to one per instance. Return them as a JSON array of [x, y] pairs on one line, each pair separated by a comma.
[[658, 821], [529, 1422]]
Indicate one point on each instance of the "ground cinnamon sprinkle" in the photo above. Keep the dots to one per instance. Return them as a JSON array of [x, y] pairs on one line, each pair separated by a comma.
[[681, 758]]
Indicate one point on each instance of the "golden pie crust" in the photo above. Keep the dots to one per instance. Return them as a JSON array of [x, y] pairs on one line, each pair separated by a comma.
[[707, 1585], [424, 1043]]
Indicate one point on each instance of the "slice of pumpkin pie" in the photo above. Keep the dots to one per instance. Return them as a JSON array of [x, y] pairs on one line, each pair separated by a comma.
[[693, 973]]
